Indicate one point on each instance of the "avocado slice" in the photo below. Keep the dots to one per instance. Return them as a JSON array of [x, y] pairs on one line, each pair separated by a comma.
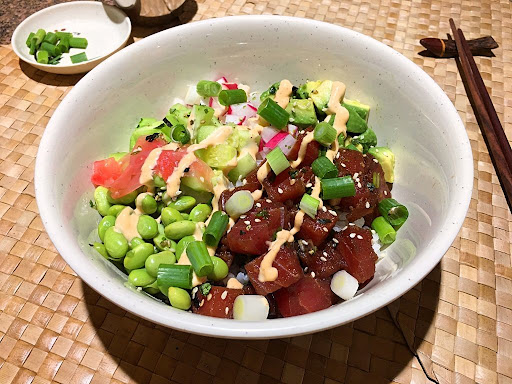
[[367, 139], [386, 159], [302, 112], [362, 110], [355, 123], [305, 89], [322, 94]]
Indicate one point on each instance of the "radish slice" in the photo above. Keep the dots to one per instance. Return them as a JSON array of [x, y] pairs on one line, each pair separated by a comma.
[[242, 109], [219, 108], [231, 85], [268, 133], [344, 285], [287, 144], [239, 120], [276, 139], [292, 129]]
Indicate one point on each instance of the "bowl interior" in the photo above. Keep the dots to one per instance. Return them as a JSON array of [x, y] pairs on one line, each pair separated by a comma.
[[106, 28], [409, 113]]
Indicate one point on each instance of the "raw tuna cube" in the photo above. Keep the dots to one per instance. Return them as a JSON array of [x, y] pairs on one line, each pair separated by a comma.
[[216, 303], [317, 229], [312, 150], [288, 185]]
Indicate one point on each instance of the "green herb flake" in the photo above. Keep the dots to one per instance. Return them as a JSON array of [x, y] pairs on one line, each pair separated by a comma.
[[205, 288]]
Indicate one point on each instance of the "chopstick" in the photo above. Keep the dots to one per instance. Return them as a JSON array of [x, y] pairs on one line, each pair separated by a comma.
[[490, 125]]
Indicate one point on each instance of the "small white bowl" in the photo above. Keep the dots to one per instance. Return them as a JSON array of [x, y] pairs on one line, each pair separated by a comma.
[[105, 27], [409, 112]]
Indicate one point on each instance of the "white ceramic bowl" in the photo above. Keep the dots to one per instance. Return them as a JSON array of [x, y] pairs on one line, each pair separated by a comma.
[[105, 27], [410, 113]]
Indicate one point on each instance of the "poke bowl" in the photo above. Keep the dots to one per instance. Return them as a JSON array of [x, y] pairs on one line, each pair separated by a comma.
[[257, 177]]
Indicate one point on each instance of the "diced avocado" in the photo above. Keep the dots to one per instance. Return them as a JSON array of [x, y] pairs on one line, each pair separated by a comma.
[[322, 94], [245, 165], [146, 131], [386, 159], [201, 196], [118, 155], [362, 110], [178, 114], [302, 112], [304, 90], [367, 139], [355, 123], [215, 121], [270, 92], [147, 121], [218, 156], [349, 145], [204, 131]]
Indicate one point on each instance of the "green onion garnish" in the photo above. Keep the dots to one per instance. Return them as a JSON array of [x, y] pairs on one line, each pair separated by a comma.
[[39, 36], [199, 258], [206, 88], [352, 147], [63, 35], [324, 133], [338, 187], [174, 275], [51, 38], [309, 205], [324, 168], [180, 134], [239, 203], [232, 96], [273, 113], [78, 42], [386, 232], [29, 39], [64, 45], [78, 58], [50, 48], [42, 57], [216, 228], [277, 160], [394, 212]]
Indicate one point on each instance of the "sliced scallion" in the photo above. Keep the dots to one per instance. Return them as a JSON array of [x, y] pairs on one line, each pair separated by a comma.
[[174, 275], [199, 258], [51, 38], [273, 113], [386, 232], [324, 168], [42, 57], [50, 48], [309, 205], [206, 88], [277, 160], [78, 42], [324, 133], [232, 96], [239, 203], [394, 212], [216, 228], [180, 134], [78, 58], [338, 187]]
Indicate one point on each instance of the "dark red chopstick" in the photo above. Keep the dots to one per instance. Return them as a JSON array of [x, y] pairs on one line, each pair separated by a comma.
[[490, 126]]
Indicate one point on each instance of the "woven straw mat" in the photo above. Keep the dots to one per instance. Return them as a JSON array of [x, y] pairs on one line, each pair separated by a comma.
[[455, 326]]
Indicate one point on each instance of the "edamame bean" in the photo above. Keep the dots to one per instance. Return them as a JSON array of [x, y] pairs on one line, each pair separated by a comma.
[[116, 209], [115, 243], [185, 216], [200, 213], [147, 227], [136, 258], [101, 199], [154, 261], [182, 245], [104, 224], [148, 204], [179, 229], [163, 243], [135, 242], [184, 203], [140, 278], [220, 269], [159, 208], [125, 200], [100, 248], [152, 288], [179, 298], [170, 215]]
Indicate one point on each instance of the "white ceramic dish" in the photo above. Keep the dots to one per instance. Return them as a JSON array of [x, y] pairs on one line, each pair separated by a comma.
[[106, 28], [410, 113]]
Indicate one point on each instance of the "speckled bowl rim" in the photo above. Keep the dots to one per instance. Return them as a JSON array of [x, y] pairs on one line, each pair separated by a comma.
[[371, 301]]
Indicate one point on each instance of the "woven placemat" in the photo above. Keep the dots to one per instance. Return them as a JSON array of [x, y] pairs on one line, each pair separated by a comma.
[[455, 326]]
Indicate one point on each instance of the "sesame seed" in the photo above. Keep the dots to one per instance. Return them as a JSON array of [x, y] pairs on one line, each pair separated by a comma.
[[224, 295], [248, 228], [325, 229], [385, 193], [333, 212], [306, 269], [345, 227], [244, 181], [209, 297], [257, 220], [201, 303], [324, 253], [304, 242], [351, 224], [375, 161], [324, 208], [335, 241], [309, 185], [268, 201], [178, 193], [247, 222], [359, 185], [360, 237], [338, 155], [356, 175], [323, 258], [352, 235], [226, 310], [243, 216], [343, 165], [279, 190], [258, 205], [311, 252], [313, 275], [367, 205], [292, 181]]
